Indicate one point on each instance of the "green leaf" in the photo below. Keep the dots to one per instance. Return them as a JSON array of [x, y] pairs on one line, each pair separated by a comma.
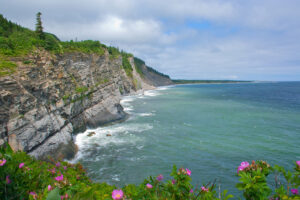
[[54, 195]]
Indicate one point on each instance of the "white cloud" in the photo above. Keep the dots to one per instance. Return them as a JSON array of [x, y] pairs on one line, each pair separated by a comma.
[[244, 39], [111, 29], [214, 9]]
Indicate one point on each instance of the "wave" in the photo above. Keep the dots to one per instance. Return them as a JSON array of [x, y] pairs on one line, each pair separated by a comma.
[[95, 139], [146, 114], [118, 134], [127, 100], [151, 93], [165, 87]]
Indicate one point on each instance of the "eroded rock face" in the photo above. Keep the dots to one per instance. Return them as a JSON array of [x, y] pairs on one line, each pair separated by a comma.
[[44, 103]]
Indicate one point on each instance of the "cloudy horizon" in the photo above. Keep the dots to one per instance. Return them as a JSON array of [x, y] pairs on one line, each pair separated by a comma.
[[192, 39]]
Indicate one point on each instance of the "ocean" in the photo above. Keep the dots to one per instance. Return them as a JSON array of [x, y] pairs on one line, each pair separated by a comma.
[[208, 128]]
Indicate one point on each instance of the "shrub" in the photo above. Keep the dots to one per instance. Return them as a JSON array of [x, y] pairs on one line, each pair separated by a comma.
[[86, 46], [23, 177]]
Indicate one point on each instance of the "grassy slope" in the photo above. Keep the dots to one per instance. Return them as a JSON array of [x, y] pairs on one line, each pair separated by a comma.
[[17, 41]]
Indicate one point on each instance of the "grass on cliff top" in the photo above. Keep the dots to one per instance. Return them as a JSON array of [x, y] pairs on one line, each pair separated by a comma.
[[87, 46], [17, 41]]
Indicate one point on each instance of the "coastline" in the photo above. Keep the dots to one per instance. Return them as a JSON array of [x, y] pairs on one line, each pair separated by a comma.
[[88, 130], [144, 141]]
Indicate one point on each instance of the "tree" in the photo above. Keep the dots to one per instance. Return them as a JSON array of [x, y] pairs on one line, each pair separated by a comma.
[[39, 27]]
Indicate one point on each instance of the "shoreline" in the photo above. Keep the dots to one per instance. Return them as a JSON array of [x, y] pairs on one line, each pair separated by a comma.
[[135, 94]]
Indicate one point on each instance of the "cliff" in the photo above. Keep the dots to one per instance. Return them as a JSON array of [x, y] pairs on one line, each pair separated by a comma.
[[51, 97]]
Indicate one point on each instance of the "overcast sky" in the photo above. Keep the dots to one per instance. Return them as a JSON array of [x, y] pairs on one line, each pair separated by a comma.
[[186, 39]]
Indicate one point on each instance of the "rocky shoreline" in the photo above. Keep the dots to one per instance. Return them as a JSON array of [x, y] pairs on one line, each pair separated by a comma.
[[55, 96]]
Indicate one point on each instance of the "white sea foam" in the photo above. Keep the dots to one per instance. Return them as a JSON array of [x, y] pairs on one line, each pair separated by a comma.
[[128, 108], [119, 134], [146, 114], [164, 87], [115, 177], [126, 103], [151, 93]]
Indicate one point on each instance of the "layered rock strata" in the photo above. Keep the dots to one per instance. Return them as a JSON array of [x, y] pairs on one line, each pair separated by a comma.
[[48, 100]]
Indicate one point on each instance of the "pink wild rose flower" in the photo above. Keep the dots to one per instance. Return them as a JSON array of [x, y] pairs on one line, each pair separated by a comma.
[[160, 177], [49, 187], [295, 191], [204, 189], [59, 178], [242, 166], [117, 194], [298, 163], [149, 186], [188, 172], [21, 165], [66, 196], [2, 162]]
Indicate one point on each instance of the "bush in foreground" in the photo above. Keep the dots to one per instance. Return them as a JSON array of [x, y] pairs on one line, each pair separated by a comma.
[[23, 177]]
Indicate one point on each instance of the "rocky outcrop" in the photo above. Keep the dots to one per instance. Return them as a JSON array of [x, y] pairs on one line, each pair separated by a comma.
[[55, 96]]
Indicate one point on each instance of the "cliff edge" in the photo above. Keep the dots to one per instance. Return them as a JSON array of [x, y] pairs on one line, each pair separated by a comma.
[[54, 96]]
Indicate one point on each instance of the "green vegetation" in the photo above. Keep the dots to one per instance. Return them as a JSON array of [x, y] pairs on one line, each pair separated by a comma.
[[157, 72], [126, 64], [87, 46], [82, 92], [180, 81], [16, 41], [138, 63], [101, 82], [22, 177], [82, 89], [26, 62], [114, 53], [38, 26], [137, 84], [81, 97], [66, 97], [121, 90], [7, 68]]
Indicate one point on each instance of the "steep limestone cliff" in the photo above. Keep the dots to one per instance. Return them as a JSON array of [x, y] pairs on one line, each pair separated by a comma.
[[54, 96]]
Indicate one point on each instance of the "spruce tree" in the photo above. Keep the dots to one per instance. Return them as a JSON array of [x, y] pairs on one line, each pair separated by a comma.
[[39, 27]]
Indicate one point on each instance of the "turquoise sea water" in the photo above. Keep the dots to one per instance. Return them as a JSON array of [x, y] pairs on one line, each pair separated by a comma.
[[208, 128]]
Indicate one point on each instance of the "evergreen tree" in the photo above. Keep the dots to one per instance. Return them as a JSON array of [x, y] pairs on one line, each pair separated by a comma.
[[39, 27]]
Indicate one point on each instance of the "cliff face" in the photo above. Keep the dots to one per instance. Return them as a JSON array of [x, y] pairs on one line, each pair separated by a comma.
[[52, 97], [153, 78]]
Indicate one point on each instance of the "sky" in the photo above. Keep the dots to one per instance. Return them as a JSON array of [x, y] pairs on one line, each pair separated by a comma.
[[186, 39]]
